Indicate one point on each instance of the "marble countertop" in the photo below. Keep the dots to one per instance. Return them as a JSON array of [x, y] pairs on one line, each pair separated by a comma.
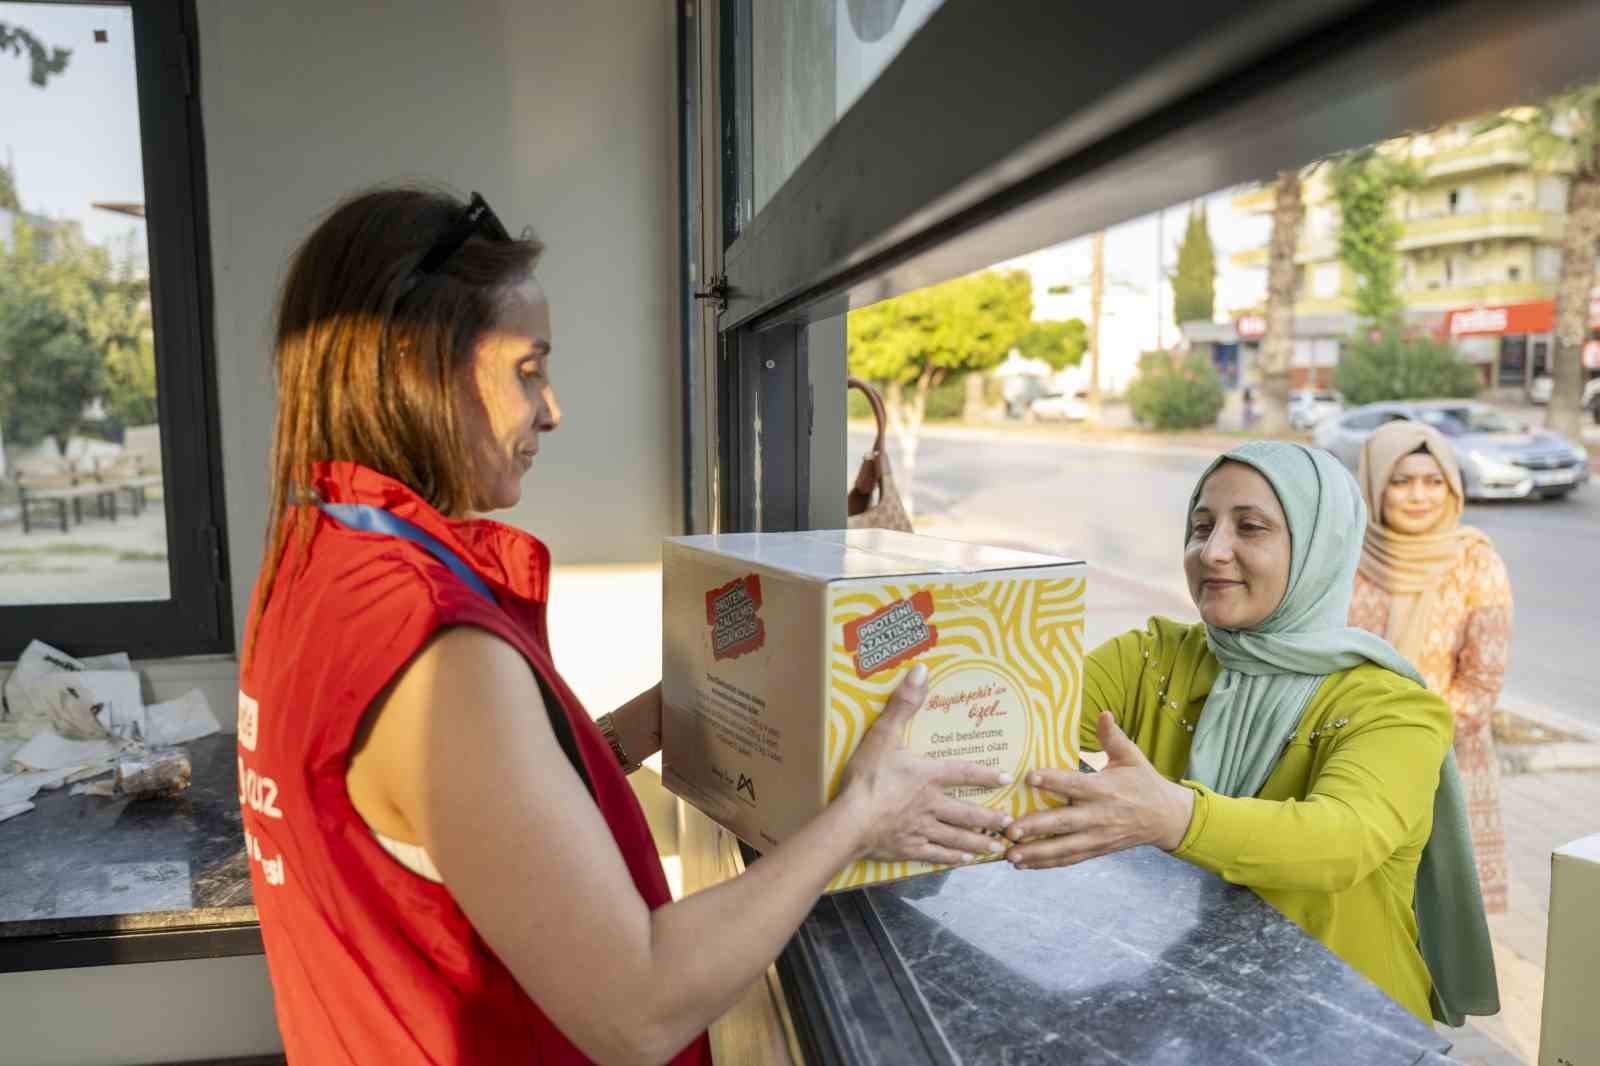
[[90, 864], [1131, 958]]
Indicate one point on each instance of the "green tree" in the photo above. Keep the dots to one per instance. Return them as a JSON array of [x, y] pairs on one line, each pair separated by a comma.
[[1194, 286], [1388, 364], [8, 191], [910, 344], [1566, 127], [1175, 392], [124, 332], [71, 331], [1364, 183], [1058, 342], [43, 60]]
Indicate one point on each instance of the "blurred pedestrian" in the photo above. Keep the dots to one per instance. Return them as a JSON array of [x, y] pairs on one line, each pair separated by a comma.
[[1439, 592]]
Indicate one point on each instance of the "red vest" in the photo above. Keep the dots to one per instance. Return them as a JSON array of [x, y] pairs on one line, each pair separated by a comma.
[[371, 963]]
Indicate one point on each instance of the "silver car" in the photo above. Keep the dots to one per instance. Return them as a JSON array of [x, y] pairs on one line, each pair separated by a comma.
[[1500, 459]]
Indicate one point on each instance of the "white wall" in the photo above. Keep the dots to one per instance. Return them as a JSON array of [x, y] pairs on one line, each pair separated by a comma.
[[564, 116]]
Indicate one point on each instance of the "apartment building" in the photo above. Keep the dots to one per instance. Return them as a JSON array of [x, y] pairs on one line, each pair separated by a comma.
[[1479, 251]]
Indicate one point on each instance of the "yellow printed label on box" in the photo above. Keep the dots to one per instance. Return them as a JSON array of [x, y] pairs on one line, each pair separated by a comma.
[[1004, 659]]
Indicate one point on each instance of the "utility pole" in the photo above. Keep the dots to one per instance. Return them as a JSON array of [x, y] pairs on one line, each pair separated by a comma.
[[1161, 337], [1097, 285]]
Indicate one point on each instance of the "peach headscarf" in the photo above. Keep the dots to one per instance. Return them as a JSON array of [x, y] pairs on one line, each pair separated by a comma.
[[1410, 566]]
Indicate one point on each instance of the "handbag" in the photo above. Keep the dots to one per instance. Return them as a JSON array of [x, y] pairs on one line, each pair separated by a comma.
[[886, 511]]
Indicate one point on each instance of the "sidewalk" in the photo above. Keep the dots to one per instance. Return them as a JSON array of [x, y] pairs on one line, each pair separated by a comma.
[[1541, 812]]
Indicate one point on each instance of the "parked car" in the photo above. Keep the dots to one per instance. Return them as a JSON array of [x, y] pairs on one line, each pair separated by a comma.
[[1059, 407], [1307, 407], [1500, 458], [1020, 391]]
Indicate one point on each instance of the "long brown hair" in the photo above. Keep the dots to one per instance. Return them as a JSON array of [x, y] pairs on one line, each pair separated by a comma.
[[367, 352]]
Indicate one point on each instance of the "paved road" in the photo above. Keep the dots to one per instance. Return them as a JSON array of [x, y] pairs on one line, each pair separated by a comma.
[[1122, 511]]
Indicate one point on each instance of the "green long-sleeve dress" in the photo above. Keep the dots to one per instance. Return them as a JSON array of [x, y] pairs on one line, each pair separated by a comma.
[[1334, 837]]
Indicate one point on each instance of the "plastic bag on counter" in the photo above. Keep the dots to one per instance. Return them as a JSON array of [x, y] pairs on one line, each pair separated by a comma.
[[157, 772]]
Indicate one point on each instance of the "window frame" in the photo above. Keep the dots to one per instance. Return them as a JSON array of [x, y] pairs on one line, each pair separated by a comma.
[[197, 617]]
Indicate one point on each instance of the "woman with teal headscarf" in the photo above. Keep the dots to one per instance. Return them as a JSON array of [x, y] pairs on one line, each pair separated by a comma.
[[1276, 746]]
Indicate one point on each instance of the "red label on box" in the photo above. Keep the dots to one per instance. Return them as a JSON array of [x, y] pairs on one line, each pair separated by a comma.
[[733, 611], [890, 635]]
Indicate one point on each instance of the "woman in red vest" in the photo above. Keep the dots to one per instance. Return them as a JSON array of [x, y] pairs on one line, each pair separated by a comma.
[[448, 862]]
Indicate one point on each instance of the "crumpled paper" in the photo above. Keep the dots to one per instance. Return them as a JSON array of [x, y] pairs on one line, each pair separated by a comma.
[[66, 720], [91, 704], [179, 721], [50, 751], [20, 716]]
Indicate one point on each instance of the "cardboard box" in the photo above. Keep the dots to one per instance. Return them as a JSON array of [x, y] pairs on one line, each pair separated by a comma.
[[1570, 1029], [781, 649]]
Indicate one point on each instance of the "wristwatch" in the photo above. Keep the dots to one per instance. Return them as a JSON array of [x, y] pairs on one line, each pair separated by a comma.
[[610, 732]]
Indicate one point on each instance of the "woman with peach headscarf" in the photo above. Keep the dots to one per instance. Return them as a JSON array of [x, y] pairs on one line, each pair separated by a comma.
[[1439, 592]]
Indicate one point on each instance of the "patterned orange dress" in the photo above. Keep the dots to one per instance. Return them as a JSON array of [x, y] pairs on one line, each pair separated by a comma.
[[1464, 660]]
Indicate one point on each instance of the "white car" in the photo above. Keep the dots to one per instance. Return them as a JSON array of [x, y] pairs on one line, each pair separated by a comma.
[[1307, 407], [1058, 407], [1539, 393]]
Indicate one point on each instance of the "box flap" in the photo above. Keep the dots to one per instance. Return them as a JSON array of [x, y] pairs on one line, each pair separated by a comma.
[[1586, 849], [836, 554]]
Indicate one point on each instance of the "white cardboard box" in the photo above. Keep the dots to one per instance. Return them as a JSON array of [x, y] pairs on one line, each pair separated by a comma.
[[781, 649], [1570, 1030]]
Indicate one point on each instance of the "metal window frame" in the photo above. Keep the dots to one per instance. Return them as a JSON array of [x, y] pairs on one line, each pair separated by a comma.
[[198, 616]]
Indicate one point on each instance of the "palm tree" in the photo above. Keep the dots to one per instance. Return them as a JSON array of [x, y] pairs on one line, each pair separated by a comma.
[[1278, 345], [1567, 127]]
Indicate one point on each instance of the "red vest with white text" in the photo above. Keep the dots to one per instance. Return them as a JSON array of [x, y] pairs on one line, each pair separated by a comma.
[[371, 963]]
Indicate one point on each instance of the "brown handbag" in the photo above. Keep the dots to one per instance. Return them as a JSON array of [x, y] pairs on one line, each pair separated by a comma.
[[887, 512]]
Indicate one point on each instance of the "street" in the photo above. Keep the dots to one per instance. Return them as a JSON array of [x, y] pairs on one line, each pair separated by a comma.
[[1121, 509]]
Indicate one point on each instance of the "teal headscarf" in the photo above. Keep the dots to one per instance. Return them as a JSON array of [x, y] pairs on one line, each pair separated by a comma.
[[1270, 672]]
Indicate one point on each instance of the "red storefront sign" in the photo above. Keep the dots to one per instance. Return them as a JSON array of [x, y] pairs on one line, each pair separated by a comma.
[[1251, 327], [1496, 320], [1536, 317]]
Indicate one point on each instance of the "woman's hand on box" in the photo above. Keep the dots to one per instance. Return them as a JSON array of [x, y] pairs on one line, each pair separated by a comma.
[[905, 813], [1127, 804]]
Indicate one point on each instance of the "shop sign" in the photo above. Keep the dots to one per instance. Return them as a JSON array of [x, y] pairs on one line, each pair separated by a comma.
[[1251, 327], [1536, 317]]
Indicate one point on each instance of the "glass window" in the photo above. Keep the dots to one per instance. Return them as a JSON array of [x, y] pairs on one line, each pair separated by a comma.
[[1454, 421], [79, 410], [110, 513], [1366, 420], [1325, 283]]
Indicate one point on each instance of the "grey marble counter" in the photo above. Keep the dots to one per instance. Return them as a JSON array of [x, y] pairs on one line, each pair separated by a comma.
[[1132, 958], [84, 865]]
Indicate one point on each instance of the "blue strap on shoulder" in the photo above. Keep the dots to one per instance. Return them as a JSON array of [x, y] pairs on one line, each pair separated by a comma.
[[370, 519]]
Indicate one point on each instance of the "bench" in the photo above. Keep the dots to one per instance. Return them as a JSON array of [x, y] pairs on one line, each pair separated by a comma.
[[105, 497]]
